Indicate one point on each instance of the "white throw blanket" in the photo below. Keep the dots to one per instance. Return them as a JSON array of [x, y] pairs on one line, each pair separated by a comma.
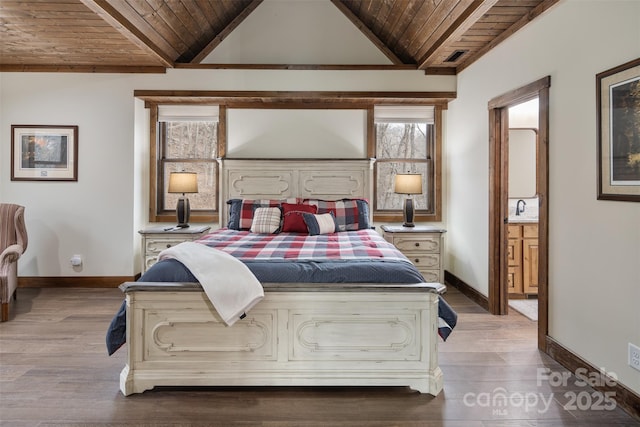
[[229, 284]]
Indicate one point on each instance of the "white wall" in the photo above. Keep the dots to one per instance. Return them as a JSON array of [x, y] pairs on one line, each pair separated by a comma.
[[267, 133], [98, 217], [594, 246], [315, 36]]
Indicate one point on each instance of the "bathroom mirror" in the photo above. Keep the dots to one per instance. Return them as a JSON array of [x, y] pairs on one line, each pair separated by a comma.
[[522, 162]]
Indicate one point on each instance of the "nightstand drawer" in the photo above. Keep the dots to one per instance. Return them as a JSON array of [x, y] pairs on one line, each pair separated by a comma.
[[422, 245], [157, 239], [424, 260], [157, 245], [426, 243]]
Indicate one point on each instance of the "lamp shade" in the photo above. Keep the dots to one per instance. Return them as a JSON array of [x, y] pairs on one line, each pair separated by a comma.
[[183, 182], [410, 183]]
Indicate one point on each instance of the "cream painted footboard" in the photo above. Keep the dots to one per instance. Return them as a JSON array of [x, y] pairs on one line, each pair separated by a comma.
[[333, 334]]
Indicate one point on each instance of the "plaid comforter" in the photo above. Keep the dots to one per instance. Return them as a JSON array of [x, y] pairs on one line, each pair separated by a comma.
[[348, 245]]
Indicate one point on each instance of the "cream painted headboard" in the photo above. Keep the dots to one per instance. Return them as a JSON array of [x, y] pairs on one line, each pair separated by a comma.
[[327, 179]]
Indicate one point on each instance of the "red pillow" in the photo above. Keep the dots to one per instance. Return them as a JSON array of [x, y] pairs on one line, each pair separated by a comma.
[[293, 221]]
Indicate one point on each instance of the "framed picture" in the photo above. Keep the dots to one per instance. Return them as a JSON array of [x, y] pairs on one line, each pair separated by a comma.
[[44, 153], [618, 98]]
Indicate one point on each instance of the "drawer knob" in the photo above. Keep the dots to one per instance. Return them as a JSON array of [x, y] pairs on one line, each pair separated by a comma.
[[417, 244], [168, 245], [417, 260]]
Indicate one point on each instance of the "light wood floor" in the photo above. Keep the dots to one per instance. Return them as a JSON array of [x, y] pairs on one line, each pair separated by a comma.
[[54, 371]]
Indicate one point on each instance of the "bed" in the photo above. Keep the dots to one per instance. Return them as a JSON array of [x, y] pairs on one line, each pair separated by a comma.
[[359, 315]]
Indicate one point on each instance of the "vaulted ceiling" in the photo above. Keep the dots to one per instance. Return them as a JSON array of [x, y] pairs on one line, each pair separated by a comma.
[[437, 36]]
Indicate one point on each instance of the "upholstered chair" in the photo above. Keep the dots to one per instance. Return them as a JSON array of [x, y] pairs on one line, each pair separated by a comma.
[[13, 243]]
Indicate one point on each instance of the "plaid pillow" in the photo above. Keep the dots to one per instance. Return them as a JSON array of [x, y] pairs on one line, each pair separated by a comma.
[[266, 220], [350, 214]]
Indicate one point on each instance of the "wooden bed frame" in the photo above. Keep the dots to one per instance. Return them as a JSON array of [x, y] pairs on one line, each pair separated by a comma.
[[299, 334]]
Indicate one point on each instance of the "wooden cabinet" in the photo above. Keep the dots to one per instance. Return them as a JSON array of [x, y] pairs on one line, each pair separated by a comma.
[[423, 245], [522, 255], [157, 239]]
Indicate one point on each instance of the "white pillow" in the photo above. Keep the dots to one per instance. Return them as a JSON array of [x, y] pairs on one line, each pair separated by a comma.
[[266, 220], [320, 223]]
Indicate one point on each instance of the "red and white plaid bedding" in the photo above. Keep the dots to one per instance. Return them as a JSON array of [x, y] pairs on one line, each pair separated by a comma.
[[349, 245]]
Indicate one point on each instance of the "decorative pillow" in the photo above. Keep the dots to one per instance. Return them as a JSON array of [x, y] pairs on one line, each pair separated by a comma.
[[234, 213], [350, 214], [320, 223], [266, 220], [241, 210], [293, 222]]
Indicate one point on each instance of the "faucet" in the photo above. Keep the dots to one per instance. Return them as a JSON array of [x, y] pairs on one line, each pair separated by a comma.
[[518, 209]]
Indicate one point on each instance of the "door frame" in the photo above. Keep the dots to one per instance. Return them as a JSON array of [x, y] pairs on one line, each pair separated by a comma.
[[498, 199]]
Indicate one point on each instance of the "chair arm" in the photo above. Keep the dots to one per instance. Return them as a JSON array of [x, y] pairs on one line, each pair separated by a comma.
[[11, 254]]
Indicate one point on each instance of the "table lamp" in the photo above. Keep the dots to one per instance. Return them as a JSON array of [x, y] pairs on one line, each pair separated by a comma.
[[183, 182], [409, 183]]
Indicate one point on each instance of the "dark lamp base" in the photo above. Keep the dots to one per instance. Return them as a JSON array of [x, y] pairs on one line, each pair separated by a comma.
[[183, 211], [408, 212]]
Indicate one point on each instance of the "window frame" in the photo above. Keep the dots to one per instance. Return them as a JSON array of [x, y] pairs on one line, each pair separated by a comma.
[[434, 179], [156, 171], [301, 99]]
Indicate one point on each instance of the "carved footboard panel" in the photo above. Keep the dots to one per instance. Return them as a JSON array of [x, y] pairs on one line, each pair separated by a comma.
[[339, 335]]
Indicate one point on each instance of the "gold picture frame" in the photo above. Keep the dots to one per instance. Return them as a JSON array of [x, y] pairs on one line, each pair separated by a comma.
[[44, 153], [618, 121]]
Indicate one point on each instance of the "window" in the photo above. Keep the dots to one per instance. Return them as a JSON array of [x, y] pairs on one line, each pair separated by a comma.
[[187, 138], [405, 143]]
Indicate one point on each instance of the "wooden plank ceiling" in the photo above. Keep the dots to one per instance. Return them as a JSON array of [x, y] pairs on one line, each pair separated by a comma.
[[438, 36]]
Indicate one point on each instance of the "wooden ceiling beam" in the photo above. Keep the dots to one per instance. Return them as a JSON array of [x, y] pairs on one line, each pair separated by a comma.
[[225, 32], [367, 32], [534, 13], [114, 18], [81, 68], [472, 13], [301, 99]]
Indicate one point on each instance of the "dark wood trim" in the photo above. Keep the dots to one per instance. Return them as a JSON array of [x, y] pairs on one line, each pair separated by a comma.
[[625, 398], [300, 98], [440, 71], [312, 67], [520, 95], [371, 132], [465, 289], [74, 282], [542, 186], [153, 162], [80, 68], [503, 196], [496, 217], [437, 168], [222, 132]]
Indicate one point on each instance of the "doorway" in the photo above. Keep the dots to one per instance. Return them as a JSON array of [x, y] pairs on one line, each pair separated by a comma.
[[499, 273], [522, 208]]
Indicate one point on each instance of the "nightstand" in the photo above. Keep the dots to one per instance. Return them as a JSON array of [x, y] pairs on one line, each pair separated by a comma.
[[157, 239], [423, 245]]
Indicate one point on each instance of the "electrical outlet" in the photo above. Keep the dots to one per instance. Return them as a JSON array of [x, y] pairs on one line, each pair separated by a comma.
[[634, 356]]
